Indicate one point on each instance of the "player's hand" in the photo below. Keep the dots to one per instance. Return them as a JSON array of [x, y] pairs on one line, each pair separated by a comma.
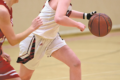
[[6, 57], [89, 15], [81, 26], [36, 23]]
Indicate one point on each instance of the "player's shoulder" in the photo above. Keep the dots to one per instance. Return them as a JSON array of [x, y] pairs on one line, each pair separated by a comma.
[[3, 12]]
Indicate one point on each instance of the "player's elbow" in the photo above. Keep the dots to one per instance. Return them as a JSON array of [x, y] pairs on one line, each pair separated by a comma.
[[58, 19], [12, 43]]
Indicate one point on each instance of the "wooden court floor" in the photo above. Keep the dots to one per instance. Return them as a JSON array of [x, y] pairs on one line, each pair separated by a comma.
[[100, 59]]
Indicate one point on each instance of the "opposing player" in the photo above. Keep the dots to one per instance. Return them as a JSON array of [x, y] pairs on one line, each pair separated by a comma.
[[7, 72], [46, 39]]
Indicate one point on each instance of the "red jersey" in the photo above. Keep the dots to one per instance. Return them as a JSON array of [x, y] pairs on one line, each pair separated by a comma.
[[2, 37], [6, 70]]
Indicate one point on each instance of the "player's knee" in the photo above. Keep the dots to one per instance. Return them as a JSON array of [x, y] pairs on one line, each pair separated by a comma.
[[76, 64]]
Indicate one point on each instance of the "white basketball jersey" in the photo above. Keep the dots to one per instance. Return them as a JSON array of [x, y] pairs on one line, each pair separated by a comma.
[[50, 28]]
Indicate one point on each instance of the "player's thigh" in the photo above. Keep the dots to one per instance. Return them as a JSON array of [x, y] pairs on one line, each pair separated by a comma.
[[25, 71], [66, 55], [14, 78]]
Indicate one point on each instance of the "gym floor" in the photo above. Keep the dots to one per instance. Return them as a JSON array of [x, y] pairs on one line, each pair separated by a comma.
[[100, 58]]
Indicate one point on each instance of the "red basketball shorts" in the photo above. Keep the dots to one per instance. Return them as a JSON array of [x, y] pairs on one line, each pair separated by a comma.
[[6, 70]]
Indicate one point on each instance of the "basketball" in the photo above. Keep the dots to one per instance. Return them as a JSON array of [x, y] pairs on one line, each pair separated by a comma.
[[100, 24]]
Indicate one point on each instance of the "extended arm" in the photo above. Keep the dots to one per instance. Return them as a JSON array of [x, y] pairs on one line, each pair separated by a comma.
[[62, 19], [81, 15], [6, 27]]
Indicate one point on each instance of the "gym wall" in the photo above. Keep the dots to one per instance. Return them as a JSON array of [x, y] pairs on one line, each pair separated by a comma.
[[26, 10]]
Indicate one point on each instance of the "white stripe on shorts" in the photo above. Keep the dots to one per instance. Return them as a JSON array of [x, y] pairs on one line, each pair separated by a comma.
[[12, 71]]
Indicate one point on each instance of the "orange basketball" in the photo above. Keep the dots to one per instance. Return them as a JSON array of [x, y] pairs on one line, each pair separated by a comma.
[[100, 24]]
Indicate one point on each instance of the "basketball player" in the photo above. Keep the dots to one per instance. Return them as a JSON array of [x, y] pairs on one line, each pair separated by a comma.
[[7, 72], [46, 40]]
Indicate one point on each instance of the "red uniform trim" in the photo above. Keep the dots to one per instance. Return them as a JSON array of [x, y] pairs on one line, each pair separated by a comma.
[[6, 70]]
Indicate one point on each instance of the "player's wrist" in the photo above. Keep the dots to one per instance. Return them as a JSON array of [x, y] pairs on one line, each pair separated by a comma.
[[78, 25], [31, 29], [88, 15], [84, 15]]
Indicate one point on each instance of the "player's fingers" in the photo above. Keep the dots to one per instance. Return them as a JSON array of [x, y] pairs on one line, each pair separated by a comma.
[[39, 20], [8, 59], [93, 12], [38, 17]]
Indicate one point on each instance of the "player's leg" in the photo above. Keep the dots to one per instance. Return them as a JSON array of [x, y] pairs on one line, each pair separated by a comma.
[[14, 78], [62, 52], [36, 51], [25, 73], [27, 47], [67, 56]]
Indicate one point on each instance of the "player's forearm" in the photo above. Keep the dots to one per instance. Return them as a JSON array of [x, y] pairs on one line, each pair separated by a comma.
[[76, 14], [19, 37], [66, 21]]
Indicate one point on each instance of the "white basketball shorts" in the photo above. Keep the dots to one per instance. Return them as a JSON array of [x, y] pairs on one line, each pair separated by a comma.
[[33, 48]]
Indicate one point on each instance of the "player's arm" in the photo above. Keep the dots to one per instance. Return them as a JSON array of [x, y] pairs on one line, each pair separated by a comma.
[[6, 28], [62, 19], [81, 15], [76, 14]]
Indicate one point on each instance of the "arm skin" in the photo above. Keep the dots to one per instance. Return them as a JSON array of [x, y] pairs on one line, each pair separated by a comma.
[[7, 29], [62, 19], [76, 14]]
